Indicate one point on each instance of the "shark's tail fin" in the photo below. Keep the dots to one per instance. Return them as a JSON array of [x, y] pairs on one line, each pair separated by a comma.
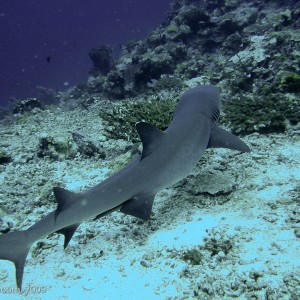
[[14, 246]]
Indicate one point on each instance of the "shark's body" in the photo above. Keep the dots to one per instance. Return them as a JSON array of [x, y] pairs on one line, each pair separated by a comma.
[[167, 157]]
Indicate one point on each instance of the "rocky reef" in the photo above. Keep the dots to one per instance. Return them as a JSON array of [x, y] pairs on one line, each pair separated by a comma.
[[249, 49]]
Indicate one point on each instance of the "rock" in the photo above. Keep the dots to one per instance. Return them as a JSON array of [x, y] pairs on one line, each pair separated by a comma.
[[86, 146], [297, 232], [4, 158], [214, 184], [55, 148], [102, 60], [26, 105]]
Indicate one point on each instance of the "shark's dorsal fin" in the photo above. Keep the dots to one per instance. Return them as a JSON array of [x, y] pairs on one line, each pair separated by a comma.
[[64, 198], [150, 137], [220, 138], [68, 232], [140, 206]]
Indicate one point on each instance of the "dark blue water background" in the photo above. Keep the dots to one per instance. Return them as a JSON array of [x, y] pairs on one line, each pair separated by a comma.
[[65, 31]]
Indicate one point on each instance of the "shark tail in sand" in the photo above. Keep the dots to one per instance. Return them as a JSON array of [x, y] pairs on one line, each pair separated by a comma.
[[14, 246]]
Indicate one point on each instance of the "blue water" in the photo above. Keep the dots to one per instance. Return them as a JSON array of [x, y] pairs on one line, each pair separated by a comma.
[[65, 31]]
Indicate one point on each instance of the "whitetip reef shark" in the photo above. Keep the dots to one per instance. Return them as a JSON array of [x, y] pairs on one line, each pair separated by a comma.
[[167, 157]]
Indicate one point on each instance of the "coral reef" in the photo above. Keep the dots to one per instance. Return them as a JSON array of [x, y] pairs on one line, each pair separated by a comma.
[[26, 105], [262, 113], [122, 117], [102, 60], [249, 49]]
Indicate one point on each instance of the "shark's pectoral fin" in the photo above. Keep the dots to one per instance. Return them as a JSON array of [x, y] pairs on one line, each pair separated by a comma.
[[140, 206], [64, 198], [150, 137], [68, 232], [220, 138]]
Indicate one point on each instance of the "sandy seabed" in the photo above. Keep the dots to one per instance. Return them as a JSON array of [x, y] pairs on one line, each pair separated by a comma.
[[237, 241]]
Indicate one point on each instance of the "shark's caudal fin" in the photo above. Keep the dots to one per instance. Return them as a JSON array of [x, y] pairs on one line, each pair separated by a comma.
[[14, 246], [220, 138]]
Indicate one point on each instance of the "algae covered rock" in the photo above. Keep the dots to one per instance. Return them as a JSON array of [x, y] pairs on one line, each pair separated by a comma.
[[153, 64], [26, 105], [55, 148], [86, 146], [262, 113], [122, 117], [4, 158], [216, 184], [102, 60], [194, 256], [193, 16], [289, 81]]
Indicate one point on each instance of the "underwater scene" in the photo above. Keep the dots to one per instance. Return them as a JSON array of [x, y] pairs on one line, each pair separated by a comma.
[[168, 170]]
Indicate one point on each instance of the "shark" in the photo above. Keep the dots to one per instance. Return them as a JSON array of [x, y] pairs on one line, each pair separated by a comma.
[[167, 157]]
